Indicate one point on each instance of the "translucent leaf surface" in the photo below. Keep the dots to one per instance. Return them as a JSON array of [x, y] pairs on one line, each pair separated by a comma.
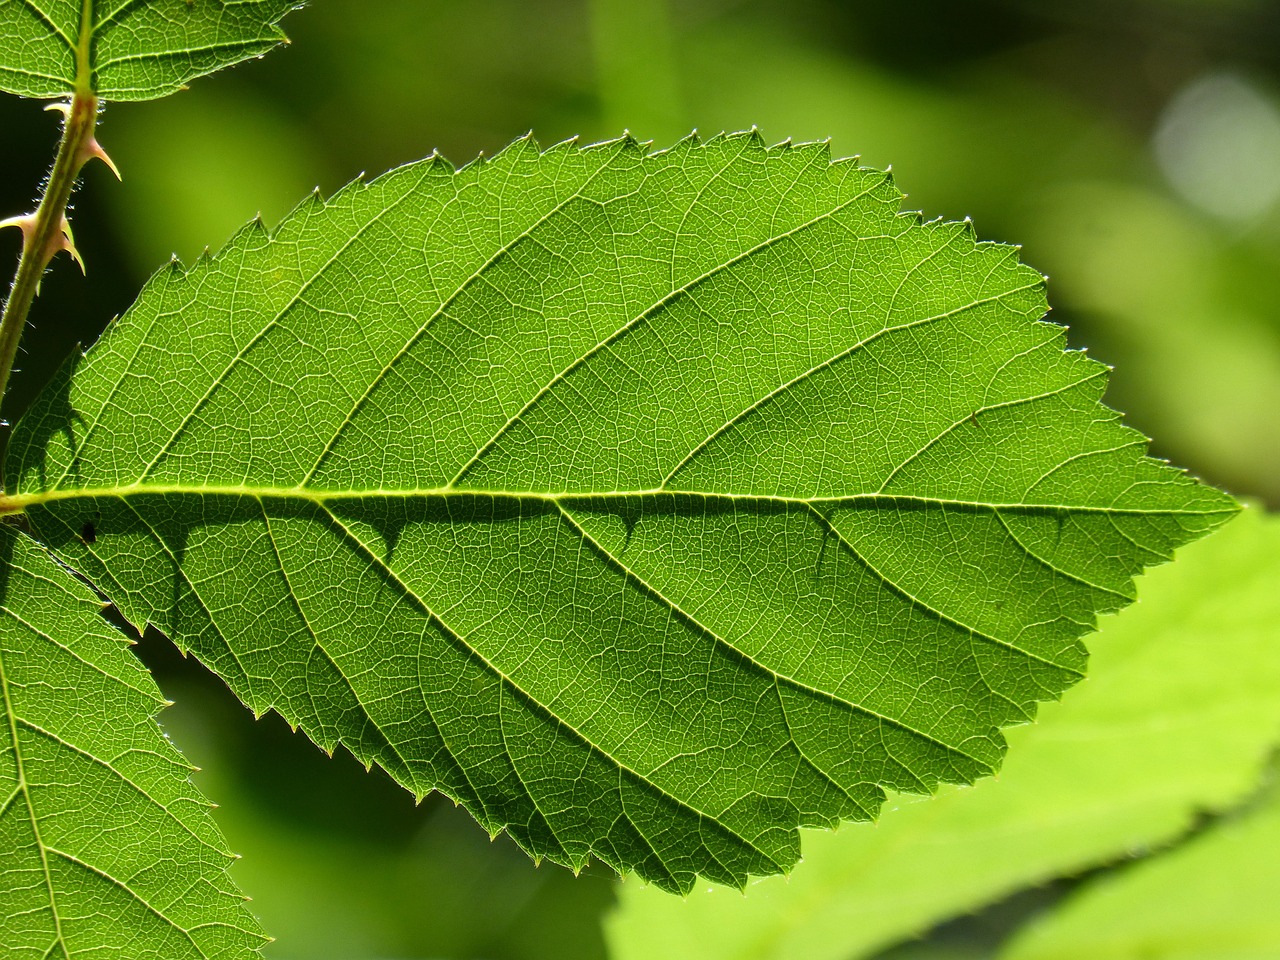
[[652, 506], [1179, 717], [129, 49], [108, 849], [1212, 899]]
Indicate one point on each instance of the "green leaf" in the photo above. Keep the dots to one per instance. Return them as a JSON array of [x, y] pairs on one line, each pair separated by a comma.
[[1178, 717], [651, 506], [107, 847], [129, 49], [1211, 898]]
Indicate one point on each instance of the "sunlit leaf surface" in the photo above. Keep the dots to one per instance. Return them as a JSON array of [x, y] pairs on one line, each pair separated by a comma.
[[129, 49], [1178, 718], [108, 849], [652, 506]]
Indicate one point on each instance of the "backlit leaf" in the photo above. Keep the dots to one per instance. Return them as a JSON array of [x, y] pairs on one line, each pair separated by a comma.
[[1179, 717], [129, 49], [108, 849], [652, 506]]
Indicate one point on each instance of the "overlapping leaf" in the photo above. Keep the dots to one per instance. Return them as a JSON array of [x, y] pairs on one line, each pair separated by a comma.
[[1212, 898], [129, 49], [108, 848], [652, 506], [1179, 718]]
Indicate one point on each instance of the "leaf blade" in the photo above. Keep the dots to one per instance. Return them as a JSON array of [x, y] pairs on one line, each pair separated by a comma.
[[108, 845], [1211, 896], [132, 49], [1178, 718], [636, 450]]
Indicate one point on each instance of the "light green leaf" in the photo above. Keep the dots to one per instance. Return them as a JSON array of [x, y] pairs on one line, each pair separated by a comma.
[[129, 49], [1213, 898], [1178, 717], [107, 847], [651, 506]]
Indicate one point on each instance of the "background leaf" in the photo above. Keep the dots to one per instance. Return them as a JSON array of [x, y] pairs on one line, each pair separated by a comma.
[[108, 848], [134, 49], [651, 506], [1177, 719], [1214, 897]]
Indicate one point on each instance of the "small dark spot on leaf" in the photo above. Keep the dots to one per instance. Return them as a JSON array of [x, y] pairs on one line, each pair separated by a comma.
[[88, 533]]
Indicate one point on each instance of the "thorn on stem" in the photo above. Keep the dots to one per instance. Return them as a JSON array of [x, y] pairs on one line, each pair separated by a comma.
[[67, 241], [91, 149], [62, 240], [25, 223]]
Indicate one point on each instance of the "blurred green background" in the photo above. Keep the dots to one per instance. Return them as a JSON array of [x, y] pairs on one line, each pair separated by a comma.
[[1131, 146]]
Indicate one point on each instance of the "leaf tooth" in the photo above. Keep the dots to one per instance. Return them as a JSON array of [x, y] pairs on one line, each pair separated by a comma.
[[684, 145], [313, 202], [568, 144], [473, 166], [524, 147], [252, 234], [344, 194], [822, 150], [438, 163], [525, 143], [628, 143]]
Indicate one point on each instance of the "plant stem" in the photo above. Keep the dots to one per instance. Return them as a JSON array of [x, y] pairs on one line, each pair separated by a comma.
[[46, 231]]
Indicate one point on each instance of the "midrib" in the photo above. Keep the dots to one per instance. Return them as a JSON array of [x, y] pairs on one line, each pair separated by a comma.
[[20, 502]]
